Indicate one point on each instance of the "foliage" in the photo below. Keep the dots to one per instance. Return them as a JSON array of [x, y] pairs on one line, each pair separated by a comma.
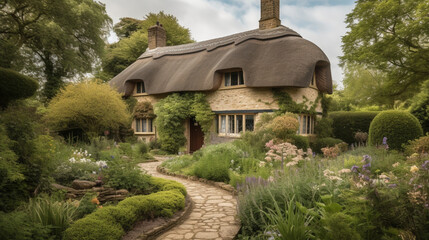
[[397, 126], [320, 143], [10, 170], [51, 213], [132, 42], [214, 161], [346, 124], [143, 148], [90, 106], [419, 146], [171, 113], [389, 37], [301, 142], [52, 39], [420, 106], [17, 225], [143, 110], [15, 86], [178, 163], [286, 103], [123, 174], [284, 125], [86, 204], [110, 222], [323, 127]]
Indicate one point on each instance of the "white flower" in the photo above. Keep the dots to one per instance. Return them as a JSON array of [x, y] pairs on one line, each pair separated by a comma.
[[382, 176], [345, 170], [334, 178], [292, 163], [414, 169], [395, 164], [262, 164]]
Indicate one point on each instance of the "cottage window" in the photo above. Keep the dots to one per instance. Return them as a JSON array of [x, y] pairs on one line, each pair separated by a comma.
[[234, 124], [144, 125], [140, 87], [234, 78], [306, 124]]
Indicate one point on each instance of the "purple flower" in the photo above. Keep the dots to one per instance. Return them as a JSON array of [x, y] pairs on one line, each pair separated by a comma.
[[366, 158], [425, 165], [354, 168], [366, 166], [385, 141], [112, 156]]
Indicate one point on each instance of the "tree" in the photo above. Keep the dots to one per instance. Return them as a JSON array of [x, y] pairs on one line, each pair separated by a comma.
[[90, 106], [132, 42], [392, 38], [420, 106], [53, 39]]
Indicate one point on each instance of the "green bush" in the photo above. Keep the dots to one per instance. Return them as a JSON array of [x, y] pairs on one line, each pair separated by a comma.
[[125, 149], [320, 143], [110, 222], [214, 161], [18, 226], [284, 125], [323, 127], [300, 142], [123, 174], [15, 86], [142, 148], [398, 126], [346, 124], [93, 228], [178, 164]]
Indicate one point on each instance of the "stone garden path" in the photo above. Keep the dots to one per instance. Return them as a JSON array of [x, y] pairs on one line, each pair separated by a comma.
[[214, 215]]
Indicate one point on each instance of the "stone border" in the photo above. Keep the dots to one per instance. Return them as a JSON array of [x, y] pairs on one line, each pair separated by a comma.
[[152, 234], [220, 185]]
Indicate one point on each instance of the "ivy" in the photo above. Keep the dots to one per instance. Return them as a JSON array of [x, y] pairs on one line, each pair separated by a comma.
[[143, 110], [287, 104], [173, 110]]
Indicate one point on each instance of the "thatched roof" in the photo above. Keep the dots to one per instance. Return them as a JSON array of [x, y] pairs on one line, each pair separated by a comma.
[[276, 57]]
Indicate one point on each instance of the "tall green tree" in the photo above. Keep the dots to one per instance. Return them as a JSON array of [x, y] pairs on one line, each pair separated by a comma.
[[390, 38], [420, 106], [132, 34], [52, 39]]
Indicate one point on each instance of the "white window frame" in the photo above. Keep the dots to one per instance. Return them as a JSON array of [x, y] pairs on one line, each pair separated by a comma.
[[139, 128], [306, 124], [227, 120]]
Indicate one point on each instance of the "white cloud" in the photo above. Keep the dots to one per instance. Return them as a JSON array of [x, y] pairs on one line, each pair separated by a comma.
[[207, 19]]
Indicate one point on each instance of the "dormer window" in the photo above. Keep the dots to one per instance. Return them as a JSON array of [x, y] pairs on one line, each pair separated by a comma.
[[140, 87], [234, 78]]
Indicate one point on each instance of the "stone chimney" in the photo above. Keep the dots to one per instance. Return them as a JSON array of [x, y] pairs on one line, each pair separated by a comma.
[[157, 36], [270, 14]]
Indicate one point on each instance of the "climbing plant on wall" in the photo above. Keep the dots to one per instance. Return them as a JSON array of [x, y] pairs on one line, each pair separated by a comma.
[[287, 104], [173, 110]]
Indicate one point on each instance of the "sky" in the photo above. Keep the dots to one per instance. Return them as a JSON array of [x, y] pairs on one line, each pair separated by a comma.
[[320, 21]]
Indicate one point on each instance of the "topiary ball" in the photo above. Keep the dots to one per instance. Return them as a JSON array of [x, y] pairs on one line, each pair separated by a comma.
[[397, 126]]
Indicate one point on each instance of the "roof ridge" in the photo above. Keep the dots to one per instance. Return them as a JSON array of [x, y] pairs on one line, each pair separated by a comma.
[[212, 44]]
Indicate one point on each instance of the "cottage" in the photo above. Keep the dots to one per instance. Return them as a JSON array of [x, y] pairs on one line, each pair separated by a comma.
[[237, 73]]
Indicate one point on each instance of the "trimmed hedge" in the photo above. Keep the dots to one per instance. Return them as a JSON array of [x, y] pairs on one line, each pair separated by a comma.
[[320, 143], [111, 222], [15, 86], [301, 142], [398, 126], [346, 124]]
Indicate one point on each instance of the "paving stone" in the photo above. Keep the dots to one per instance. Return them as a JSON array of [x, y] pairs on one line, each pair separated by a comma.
[[213, 215]]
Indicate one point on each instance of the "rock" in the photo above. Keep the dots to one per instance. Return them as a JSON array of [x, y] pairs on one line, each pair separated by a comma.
[[82, 184], [61, 187]]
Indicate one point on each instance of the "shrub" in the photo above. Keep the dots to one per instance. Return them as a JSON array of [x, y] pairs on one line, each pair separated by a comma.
[[126, 175], [15, 86], [419, 146], [142, 148], [398, 126], [90, 106], [323, 127], [125, 149], [86, 205], [300, 142], [18, 226], [346, 124], [214, 161], [126, 217], [320, 143], [161, 184], [284, 125], [178, 164], [154, 144], [93, 228]]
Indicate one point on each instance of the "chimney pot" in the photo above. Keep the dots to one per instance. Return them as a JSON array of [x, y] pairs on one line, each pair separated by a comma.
[[157, 36], [270, 14]]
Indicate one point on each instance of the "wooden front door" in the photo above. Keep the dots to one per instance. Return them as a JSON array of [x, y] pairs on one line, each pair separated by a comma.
[[196, 136]]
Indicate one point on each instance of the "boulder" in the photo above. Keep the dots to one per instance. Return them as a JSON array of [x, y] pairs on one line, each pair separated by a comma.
[[82, 184]]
